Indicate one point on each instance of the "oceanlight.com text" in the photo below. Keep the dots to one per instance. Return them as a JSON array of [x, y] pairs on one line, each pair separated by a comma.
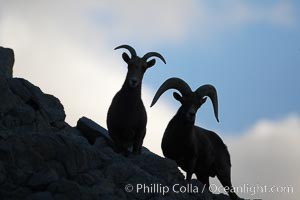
[[158, 188]]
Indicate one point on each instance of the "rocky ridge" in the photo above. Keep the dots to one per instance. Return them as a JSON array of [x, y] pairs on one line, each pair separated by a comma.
[[43, 157]]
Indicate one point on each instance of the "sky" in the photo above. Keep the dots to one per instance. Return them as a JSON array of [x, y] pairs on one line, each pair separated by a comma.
[[249, 50]]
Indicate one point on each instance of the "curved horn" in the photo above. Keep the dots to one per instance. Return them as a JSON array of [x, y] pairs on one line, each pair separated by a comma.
[[172, 83], [150, 54], [129, 48], [211, 92]]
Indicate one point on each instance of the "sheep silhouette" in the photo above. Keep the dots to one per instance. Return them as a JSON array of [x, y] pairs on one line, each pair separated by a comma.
[[127, 117], [195, 150]]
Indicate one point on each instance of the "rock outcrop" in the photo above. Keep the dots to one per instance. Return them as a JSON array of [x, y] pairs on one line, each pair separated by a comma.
[[7, 60], [42, 157]]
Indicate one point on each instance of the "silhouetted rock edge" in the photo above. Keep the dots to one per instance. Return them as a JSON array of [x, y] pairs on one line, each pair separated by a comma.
[[43, 157]]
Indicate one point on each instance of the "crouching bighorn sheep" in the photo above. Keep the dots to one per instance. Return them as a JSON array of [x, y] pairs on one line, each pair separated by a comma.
[[127, 117], [195, 149]]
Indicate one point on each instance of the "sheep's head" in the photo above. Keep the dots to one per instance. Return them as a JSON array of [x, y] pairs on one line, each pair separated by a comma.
[[190, 101], [137, 66]]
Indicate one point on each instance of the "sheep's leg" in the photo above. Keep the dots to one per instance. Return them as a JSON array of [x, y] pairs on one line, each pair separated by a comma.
[[118, 146], [226, 182], [204, 179], [190, 168], [135, 149], [116, 143], [137, 146]]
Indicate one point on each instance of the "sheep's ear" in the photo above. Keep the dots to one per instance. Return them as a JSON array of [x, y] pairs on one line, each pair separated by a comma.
[[125, 57], [177, 97], [151, 63]]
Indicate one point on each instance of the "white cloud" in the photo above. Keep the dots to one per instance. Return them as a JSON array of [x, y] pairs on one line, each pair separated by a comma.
[[147, 21], [216, 18], [61, 52], [267, 155], [175, 21], [280, 13]]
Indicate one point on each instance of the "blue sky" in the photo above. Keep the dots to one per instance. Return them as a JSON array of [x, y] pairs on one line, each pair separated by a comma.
[[250, 51], [255, 69]]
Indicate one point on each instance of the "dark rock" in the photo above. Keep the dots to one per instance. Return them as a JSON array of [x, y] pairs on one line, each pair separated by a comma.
[[2, 173], [91, 130], [42, 179], [24, 106], [7, 61], [65, 189], [8, 100], [48, 105], [40, 196]]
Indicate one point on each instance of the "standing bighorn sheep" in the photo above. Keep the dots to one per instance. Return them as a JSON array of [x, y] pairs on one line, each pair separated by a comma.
[[127, 117], [195, 149]]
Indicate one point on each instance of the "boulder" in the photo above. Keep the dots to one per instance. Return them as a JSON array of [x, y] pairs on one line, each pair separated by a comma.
[[91, 130], [7, 61]]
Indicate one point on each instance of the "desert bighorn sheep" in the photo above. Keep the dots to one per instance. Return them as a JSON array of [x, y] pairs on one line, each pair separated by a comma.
[[127, 117], [195, 149]]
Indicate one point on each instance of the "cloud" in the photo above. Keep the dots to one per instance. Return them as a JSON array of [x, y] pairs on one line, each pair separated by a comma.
[[59, 50], [215, 19], [280, 13], [145, 21], [267, 155], [176, 21]]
